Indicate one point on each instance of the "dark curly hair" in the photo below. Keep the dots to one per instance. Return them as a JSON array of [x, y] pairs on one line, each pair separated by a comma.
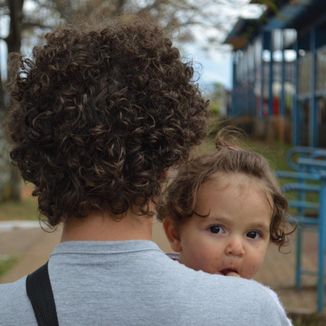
[[179, 199], [100, 115]]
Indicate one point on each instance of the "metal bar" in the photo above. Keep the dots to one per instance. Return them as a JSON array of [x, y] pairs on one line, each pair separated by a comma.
[[282, 102], [234, 83], [300, 187], [262, 80], [298, 257], [271, 75], [313, 125], [246, 79], [304, 220], [312, 163], [298, 175], [295, 113], [321, 248], [254, 71], [302, 204]]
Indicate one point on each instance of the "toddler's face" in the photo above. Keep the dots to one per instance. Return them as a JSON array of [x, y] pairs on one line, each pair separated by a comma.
[[233, 238]]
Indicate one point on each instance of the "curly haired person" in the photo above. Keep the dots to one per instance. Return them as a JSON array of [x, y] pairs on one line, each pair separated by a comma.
[[100, 117]]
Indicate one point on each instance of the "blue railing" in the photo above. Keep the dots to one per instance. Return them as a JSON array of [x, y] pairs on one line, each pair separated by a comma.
[[308, 177]]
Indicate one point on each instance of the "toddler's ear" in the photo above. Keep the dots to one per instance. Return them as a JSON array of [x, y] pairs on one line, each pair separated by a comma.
[[172, 234]]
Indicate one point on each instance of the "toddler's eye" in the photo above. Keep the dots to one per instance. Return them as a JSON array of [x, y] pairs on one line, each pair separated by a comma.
[[216, 229], [254, 235]]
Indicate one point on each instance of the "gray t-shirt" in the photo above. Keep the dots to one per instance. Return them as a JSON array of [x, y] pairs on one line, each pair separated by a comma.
[[135, 283]]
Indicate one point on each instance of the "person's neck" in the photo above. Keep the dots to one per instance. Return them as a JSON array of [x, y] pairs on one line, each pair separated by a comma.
[[102, 227]]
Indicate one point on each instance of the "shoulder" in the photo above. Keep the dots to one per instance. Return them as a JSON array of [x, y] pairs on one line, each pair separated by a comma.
[[252, 301], [222, 294], [10, 291], [15, 306], [255, 299], [273, 295], [276, 300]]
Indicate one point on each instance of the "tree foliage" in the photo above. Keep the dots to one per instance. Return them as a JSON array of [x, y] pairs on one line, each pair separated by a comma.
[[179, 18]]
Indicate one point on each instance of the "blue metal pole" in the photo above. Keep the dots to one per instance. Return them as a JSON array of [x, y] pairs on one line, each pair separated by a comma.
[[234, 83], [254, 79], [262, 77], [313, 125], [295, 112], [246, 79], [302, 195], [298, 256], [321, 247], [271, 75], [282, 104], [249, 80]]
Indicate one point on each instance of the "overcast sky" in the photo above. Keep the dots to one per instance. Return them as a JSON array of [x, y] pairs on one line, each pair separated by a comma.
[[211, 67], [215, 65]]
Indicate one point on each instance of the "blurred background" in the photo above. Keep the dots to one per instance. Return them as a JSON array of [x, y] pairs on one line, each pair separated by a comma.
[[262, 64]]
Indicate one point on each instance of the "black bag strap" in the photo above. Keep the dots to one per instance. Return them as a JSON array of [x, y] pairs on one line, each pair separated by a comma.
[[39, 291]]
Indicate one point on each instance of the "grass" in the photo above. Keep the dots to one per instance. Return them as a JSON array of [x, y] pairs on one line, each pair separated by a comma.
[[275, 153], [6, 263]]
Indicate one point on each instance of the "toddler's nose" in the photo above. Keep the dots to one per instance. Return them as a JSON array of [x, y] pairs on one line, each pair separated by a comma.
[[235, 246]]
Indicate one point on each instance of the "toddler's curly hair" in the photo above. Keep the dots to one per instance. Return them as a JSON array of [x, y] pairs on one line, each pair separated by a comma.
[[100, 115]]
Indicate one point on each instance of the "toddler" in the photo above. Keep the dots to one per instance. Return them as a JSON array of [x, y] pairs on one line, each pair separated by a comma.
[[222, 210]]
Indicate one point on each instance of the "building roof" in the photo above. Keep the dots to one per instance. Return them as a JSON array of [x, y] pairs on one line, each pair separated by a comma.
[[295, 14], [242, 32], [280, 14]]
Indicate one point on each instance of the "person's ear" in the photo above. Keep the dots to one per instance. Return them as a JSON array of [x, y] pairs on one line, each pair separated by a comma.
[[172, 233]]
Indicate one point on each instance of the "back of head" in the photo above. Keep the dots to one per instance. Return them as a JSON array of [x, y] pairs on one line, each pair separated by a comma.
[[180, 196], [100, 114]]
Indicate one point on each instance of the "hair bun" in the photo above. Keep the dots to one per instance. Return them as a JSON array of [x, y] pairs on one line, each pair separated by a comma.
[[229, 137]]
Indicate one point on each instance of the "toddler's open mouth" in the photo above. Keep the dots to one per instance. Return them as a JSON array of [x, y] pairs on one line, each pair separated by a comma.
[[229, 272]]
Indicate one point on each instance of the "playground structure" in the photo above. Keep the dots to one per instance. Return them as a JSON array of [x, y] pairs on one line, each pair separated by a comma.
[[307, 185], [279, 69]]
